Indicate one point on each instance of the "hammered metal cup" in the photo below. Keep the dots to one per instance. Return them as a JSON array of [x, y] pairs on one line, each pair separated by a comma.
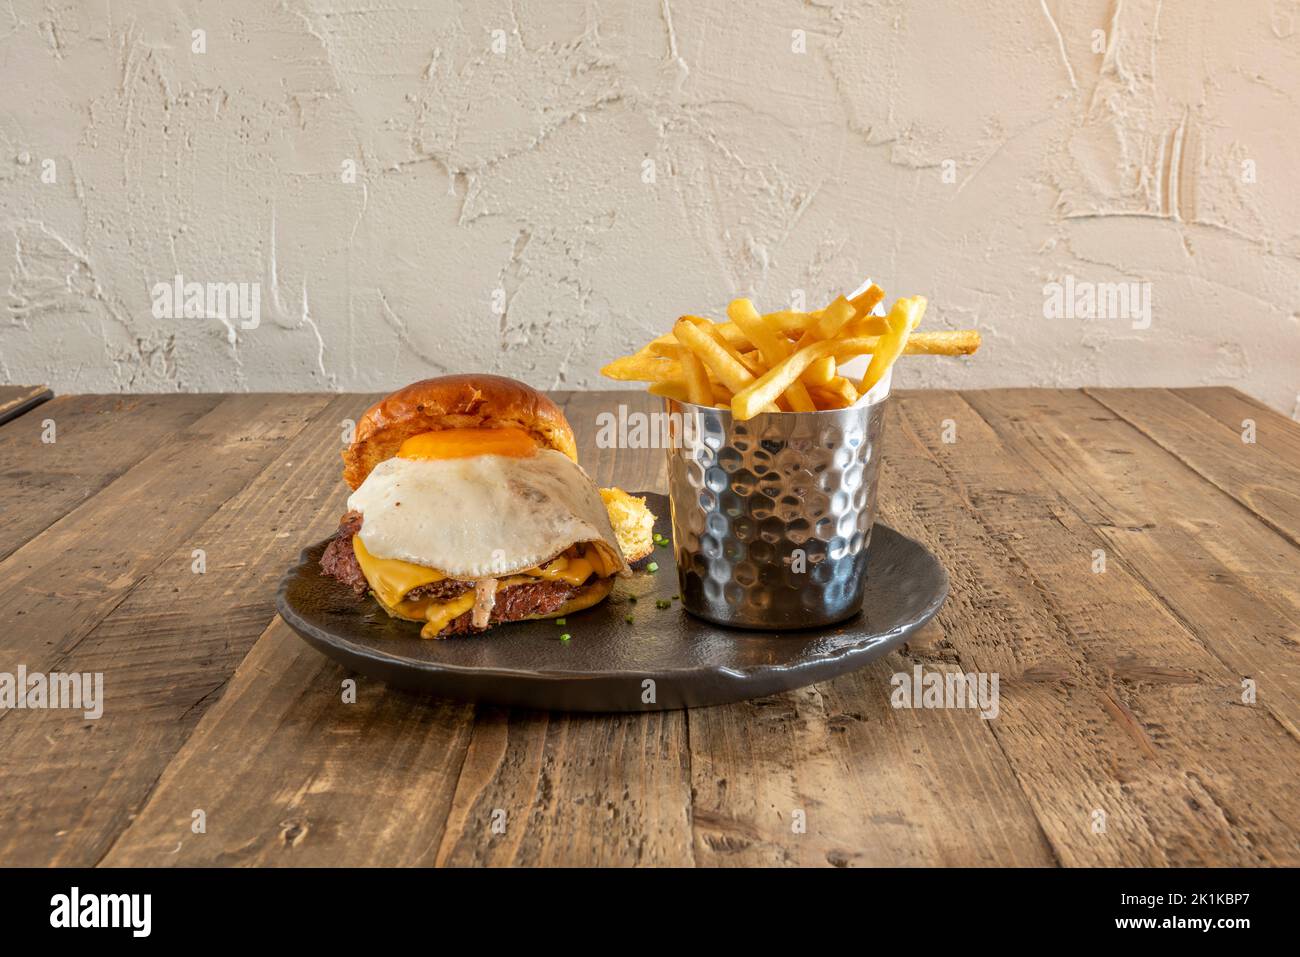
[[772, 516]]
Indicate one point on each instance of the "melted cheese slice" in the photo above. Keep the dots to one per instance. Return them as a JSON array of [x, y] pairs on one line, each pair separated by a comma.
[[438, 615], [572, 569], [390, 578]]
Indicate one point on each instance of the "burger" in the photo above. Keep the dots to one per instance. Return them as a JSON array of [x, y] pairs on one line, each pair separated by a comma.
[[469, 509]]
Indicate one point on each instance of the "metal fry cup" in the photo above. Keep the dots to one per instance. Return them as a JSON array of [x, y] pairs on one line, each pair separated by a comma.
[[772, 516]]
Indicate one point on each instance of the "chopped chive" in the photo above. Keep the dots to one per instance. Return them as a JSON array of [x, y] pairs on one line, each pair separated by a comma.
[[559, 621], [663, 603], [629, 619], [652, 567], [565, 637]]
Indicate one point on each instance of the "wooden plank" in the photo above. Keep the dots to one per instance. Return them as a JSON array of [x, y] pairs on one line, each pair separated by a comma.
[[1182, 773], [18, 399], [1230, 408], [167, 651], [1228, 401], [96, 438], [572, 790], [833, 775], [285, 772], [1228, 578], [67, 579], [1261, 475]]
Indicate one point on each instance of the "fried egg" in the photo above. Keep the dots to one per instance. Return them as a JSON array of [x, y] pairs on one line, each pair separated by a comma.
[[483, 506]]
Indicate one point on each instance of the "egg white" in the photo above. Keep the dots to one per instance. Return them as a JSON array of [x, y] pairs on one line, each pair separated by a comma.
[[482, 516]]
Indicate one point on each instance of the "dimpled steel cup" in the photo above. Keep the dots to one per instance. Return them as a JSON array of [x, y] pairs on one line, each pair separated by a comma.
[[772, 516]]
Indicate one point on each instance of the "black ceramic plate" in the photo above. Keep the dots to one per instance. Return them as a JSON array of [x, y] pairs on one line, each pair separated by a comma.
[[664, 659]]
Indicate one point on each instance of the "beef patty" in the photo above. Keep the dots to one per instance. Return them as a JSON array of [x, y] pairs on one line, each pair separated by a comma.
[[512, 603], [339, 560], [516, 602]]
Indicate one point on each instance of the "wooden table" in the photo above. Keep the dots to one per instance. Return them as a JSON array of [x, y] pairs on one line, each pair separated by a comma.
[[1126, 733]]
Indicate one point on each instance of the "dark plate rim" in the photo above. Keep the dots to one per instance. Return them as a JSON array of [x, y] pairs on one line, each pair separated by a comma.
[[876, 643]]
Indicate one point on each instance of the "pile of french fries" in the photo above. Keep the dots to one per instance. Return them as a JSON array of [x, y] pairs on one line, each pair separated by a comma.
[[785, 361]]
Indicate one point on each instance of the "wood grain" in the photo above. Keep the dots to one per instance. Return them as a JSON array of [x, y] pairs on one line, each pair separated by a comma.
[[1231, 409], [833, 775], [1121, 692], [73, 574], [46, 474], [169, 647], [62, 582], [1260, 474], [1161, 758], [1210, 559], [285, 772]]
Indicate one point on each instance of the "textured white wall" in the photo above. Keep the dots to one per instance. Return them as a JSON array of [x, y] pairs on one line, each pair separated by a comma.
[[522, 171]]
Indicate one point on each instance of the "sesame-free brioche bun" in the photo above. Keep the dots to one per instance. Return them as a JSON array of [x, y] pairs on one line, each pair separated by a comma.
[[453, 402]]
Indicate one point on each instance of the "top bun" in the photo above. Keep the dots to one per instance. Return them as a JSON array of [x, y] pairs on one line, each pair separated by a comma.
[[453, 402]]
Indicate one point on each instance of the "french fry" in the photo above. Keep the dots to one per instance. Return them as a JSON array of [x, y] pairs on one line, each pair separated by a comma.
[[902, 319], [698, 389], [730, 371], [961, 342], [958, 342], [749, 358], [750, 400], [826, 326], [788, 323], [666, 345], [866, 326], [833, 319], [771, 347], [843, 388], [785, 361], [820, 372], [671, 389], [792, 323], [753, 368], [638, 368], [868, 299], [828, 399], [676, 389]]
